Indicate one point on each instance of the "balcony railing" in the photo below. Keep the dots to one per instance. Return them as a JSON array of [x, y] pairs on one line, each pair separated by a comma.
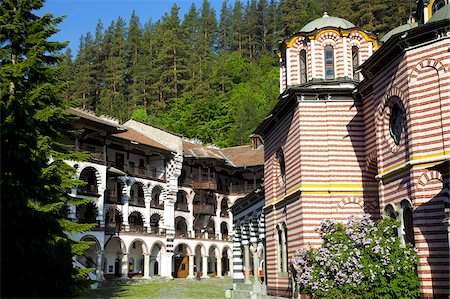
[[141, 172], [204, 184], [145, 173], [137, 228], [241, 189], [112, 228], [88, 190], [182, 234], [182, 207], [204, 209], [137, 202], [95, 156], [159, 205], [113, 198], [157, 231]]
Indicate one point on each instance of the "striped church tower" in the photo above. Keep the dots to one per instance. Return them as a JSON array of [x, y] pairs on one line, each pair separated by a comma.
[[313, 141], [360, 128]]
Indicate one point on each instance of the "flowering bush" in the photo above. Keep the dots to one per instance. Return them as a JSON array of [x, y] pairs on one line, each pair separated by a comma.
[[358, 260]]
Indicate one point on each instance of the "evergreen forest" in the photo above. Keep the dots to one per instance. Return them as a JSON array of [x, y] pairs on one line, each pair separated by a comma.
[[207, 75]]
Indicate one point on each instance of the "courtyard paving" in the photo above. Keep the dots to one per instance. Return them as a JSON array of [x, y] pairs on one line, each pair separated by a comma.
[[170, 289]]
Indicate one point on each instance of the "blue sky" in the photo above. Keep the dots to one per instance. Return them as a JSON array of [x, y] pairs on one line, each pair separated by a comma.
[[82, 15]]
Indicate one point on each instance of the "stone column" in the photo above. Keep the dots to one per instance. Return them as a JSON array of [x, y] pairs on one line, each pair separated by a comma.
[[98, 272], [126, 207], [146, 265], [219, 266], [125, 265], [237, 257], [205, 266], [246, 264], [256, 278], [166, 264], [191, 266], [230, 265], [190, 220]]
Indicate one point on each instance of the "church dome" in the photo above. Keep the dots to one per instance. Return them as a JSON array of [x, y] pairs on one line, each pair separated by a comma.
[[327, 21], [442, 14], [401, 28]]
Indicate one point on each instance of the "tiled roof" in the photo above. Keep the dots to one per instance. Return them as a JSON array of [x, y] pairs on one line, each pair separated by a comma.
[[199, 151], [135, 136], [245, 155], [85, 114]]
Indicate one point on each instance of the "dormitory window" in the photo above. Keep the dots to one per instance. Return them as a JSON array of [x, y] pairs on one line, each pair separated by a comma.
[[355, 62], [329, 63], [303, 70]]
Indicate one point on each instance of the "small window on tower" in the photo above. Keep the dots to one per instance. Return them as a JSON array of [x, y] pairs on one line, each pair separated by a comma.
[[303, 67], [329, 63], [355, 62]]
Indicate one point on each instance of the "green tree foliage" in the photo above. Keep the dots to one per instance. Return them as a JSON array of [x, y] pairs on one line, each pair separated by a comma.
[[359, 259], [172, 66], [36, 253]]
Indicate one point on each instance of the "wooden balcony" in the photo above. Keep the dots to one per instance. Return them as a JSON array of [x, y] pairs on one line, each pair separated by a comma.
[[204, 185], [204, 209], [142, 172]]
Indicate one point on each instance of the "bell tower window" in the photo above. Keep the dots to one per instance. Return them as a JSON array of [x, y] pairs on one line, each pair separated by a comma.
[[355, 62], [329, 62], [303, 67]]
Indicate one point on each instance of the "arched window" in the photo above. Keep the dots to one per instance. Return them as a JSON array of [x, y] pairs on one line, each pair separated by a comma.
[[281, 166], [282, 248], [355, 62], [329, 62], [438, 4], [303, 67], [407, 222], [397, 121]]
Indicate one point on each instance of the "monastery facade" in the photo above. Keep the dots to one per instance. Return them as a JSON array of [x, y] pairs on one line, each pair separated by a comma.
[[361, 126], [160, 203]]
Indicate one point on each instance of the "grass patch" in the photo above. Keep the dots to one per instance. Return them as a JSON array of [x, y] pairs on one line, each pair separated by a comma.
[[176, 288]]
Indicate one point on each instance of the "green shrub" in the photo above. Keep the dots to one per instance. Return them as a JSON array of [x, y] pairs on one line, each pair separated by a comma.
[[358, 260]]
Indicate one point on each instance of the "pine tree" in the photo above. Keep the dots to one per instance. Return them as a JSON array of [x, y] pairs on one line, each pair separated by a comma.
[[36, 253], [237, 25], [67, 74], [134, 75], [224, 28], [84, 83], [113, 100]]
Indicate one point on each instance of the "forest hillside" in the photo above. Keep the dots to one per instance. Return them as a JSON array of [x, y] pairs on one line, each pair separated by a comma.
[[207, 75]]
